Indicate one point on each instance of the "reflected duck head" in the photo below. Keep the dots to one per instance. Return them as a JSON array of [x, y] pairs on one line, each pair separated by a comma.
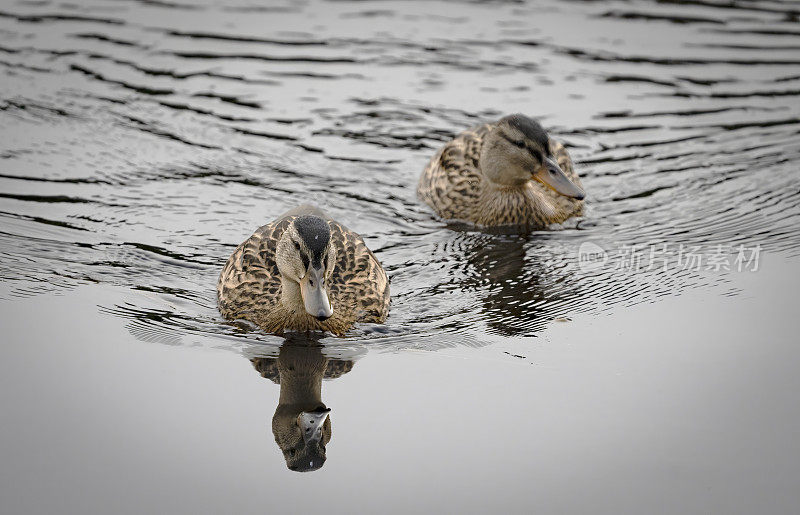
[[302, 437]]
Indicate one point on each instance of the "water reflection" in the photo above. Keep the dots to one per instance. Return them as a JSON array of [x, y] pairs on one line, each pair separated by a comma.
[[301, 423], [516, 288], [509, 282]]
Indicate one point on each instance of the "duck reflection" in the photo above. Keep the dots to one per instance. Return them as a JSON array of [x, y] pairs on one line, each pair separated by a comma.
[[518, 295], [301, 423]]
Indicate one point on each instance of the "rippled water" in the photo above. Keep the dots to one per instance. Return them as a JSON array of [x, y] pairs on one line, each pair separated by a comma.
[[142, 141]]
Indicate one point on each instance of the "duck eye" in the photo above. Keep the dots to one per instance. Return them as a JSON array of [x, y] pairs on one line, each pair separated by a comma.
[[296, 245], [518, 144]]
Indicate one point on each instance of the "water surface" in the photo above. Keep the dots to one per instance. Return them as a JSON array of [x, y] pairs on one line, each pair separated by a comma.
[[141, 141]]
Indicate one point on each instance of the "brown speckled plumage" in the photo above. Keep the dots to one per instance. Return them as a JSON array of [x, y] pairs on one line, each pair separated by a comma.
[[249, 285], [453, 185]]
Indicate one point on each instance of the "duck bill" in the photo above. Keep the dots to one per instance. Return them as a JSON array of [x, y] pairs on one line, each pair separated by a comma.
[[315, 297], [311, 423], [553, 177]]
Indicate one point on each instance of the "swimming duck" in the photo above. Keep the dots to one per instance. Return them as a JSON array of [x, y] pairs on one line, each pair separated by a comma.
[[304, 272], [505, 173]]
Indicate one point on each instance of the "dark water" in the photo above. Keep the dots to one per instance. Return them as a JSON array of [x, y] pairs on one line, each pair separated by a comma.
[[141, 141]]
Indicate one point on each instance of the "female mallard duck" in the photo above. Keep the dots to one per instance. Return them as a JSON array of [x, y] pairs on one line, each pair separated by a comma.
[[304, 272], [505, 173]]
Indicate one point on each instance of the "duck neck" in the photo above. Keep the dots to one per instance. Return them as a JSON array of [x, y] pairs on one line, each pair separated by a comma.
[[514, 204], [301, 378]]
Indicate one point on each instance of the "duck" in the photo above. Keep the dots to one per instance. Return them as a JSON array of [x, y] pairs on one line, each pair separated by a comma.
[[303, 271], [505, 173]]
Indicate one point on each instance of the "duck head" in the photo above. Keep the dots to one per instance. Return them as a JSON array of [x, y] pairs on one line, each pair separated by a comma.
[[302, 436], [306, 257], [517, 150]]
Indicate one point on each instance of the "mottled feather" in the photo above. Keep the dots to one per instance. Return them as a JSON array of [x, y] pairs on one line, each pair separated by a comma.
[[453, 185], [249, 285]]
